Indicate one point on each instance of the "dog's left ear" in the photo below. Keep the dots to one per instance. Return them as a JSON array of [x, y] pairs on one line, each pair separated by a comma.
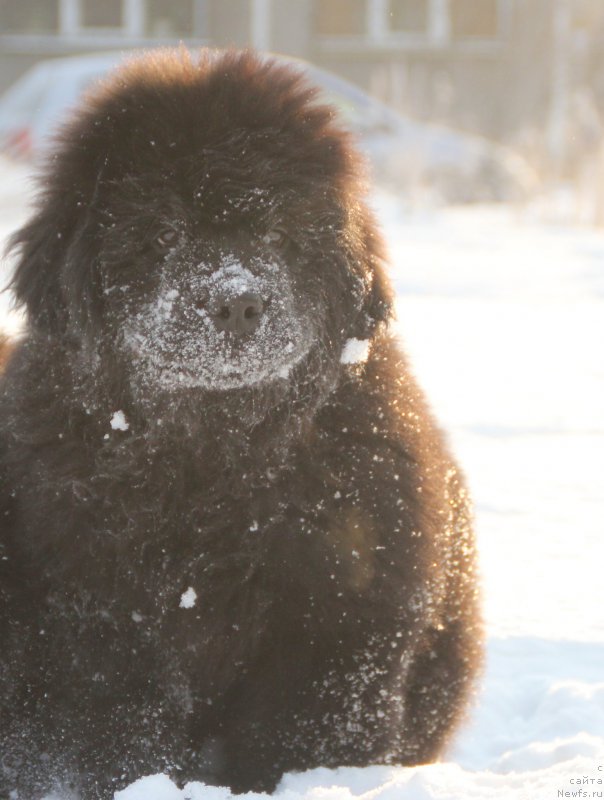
[[378, 301]]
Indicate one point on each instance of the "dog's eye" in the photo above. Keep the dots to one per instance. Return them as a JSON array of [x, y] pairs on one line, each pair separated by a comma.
[[166, 240], [276, 237]]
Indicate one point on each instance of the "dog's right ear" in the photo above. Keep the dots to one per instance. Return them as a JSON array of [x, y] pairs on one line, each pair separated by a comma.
[[56, 258], [40, 246]]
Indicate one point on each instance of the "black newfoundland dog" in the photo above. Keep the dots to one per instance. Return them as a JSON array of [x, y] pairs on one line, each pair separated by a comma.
[[233, 543]]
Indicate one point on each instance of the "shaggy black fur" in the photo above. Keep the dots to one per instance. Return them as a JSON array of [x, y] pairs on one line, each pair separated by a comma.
[[264, 562]]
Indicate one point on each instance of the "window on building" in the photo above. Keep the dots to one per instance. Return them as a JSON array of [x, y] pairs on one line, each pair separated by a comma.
[[341, 17], [170, 18], [105, 14], [474, 19], [29, 16], [408, 16]]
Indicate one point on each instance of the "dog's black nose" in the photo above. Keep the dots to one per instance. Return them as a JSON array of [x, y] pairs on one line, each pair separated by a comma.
[[237, 314]]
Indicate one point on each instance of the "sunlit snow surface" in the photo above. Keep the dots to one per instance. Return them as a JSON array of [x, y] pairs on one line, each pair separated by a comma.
[[504, 321]]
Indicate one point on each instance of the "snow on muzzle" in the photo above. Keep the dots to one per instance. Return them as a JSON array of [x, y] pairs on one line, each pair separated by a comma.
[[235, 327]]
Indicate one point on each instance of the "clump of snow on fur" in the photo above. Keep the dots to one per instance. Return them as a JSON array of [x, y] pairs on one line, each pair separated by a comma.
[[355, 351], [119, 422], [152, 786], [160, 787], [188, 598]]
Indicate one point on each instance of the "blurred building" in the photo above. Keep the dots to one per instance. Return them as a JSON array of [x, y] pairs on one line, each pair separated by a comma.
[[491, 66]]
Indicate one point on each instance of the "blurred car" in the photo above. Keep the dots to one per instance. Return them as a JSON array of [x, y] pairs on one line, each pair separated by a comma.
[[414, 159], [39, 100]]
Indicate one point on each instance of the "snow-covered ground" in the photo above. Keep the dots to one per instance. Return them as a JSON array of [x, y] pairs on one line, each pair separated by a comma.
[[504, 320]]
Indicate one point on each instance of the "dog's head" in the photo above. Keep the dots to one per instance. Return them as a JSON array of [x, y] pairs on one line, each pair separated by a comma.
[[202, 220]]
